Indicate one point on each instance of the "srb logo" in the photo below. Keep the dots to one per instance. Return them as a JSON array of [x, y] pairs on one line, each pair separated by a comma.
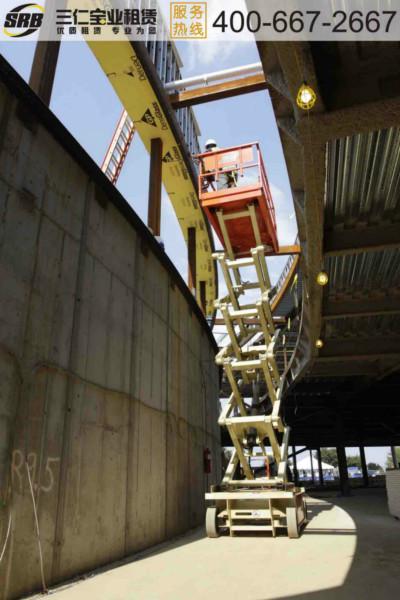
[[23, 20]]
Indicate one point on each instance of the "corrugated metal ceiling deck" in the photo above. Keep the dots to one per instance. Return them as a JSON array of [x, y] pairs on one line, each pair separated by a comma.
[[363, 179]]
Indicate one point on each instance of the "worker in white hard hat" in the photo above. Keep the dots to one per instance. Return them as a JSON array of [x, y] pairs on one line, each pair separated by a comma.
[[211, 145], [226, 179]]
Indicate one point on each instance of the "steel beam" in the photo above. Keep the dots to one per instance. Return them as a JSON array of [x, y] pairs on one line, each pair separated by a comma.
[[219, 91], [345, 122], [360, 307], [359, 348], [338, 368], [286, 250], [357, 240]]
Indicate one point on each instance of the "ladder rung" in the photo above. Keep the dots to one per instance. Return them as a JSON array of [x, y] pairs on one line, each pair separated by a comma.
[[272, 481], [251, 527], [251, 421], [262, 513], [250, 286], [246, 349], [235, 215], [240, 262], [246, 312], [239, 365]]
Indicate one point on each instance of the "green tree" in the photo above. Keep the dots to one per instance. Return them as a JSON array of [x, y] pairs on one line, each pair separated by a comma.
[[329, 456], [354, 461], [374, 466], [389, 459]]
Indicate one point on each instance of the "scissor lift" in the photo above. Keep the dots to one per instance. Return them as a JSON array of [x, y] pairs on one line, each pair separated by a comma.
[[234, 192]]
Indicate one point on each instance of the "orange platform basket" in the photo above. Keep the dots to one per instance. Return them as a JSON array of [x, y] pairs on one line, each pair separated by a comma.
[[235, 195]]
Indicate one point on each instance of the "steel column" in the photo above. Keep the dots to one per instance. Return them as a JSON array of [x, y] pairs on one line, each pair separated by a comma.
[[364, 466], [320, 472], [43, 69], [312, 468], [343, 473], [394, 457], [295, 471], [155, 186]]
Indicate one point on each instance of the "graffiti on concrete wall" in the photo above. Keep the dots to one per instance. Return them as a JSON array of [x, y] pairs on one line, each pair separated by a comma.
[[18, 470]]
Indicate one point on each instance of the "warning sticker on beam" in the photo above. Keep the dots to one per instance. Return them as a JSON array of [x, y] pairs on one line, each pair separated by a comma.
[[148, 118], [145, 109], [168, 157]]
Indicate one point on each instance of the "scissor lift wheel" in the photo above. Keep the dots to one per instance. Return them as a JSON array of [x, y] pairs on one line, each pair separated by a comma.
[[211, 522]]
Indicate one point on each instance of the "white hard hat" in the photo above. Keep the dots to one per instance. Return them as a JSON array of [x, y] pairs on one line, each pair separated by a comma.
[[210, 144]]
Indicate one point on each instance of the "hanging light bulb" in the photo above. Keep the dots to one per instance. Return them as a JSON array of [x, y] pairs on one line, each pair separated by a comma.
[[319, 343], [306, 97], [322, 278]]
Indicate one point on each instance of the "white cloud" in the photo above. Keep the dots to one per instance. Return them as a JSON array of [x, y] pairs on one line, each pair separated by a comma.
[[206, 54]]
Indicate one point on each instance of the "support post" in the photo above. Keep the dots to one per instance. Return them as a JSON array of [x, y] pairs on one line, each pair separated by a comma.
[[343, 473], [394, 457], [312, 468], [43, 69], [320, 471], [192, 281], [203, 302], [364, 466], [295, 471], [155, 183]]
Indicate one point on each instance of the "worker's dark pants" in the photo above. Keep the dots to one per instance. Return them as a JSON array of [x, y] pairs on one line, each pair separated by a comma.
[[225, 181]]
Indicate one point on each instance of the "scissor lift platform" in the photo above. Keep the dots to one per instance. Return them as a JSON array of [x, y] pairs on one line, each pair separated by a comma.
[[235, 195]]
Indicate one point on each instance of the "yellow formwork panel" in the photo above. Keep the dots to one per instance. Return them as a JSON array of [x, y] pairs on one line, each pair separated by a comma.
[[125, 73]]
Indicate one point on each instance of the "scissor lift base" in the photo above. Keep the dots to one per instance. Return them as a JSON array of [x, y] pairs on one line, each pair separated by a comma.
[[255, 511]]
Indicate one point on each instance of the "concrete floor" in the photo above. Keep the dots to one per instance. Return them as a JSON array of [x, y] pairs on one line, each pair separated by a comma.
[[350, 549]]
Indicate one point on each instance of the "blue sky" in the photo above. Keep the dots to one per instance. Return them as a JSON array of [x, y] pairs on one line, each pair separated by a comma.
[[84, 101], [86, 104]]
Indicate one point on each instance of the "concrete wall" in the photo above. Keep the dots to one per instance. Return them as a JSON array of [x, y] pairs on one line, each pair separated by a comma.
[[108, 389]]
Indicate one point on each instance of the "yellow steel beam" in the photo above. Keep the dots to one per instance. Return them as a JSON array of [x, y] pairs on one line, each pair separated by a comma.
[[285, 250], [127, 76]]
